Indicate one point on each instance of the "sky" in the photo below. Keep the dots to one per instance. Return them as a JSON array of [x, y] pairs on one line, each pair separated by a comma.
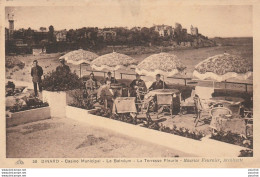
[[211, 20]]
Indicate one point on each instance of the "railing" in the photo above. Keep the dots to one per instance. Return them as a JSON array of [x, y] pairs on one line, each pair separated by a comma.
[[98, 72], [121, 75], [184, 79], [246, 84]]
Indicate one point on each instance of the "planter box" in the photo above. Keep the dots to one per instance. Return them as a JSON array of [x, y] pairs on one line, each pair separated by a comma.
[[204, 148], [56, 101], [73, 112], [28, 116]]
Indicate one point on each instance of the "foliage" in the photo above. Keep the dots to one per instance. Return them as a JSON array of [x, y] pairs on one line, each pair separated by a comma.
[[31, 103], [128, 118], [56, 82], [104, 113], [18, 106], [246, 153], [182, 132], [233, 138], [81, 100]]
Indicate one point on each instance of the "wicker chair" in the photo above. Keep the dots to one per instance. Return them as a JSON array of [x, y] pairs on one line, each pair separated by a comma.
[[200, 110], [165, 101]]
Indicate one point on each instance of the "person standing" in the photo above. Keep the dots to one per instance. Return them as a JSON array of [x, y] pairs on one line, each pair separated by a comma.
[[63, 69], [36, 73]]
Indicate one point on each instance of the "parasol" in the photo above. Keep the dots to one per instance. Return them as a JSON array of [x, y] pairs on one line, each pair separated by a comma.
[[224, 66], [78, 57], [163, 63], [113, 61]]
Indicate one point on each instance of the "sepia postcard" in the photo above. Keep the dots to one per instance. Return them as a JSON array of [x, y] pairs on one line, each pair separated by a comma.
[[136, 84]]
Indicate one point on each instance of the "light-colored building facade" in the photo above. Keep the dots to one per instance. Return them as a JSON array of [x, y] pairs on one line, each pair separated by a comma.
[[164, 30]]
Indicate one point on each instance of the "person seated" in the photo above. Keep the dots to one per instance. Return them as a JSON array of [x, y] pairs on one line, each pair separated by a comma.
[[91, 85], [106, 95], [110, 78], [137, 86], [63, 69], [92, 82], [158, 84]]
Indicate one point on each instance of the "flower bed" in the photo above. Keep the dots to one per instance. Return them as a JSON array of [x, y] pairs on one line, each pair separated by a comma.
[[204, 148], [127, 118], [246, 153], [80, 100], [228, 137], [32, 115], [31, 103], [197, 135], [233, 138]]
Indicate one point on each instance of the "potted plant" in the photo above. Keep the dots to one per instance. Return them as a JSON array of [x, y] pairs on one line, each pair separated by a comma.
[[55, 86]]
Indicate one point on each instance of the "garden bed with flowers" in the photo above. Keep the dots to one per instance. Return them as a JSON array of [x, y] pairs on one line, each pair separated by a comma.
[[27, 103], [26, 110], [174, 138]]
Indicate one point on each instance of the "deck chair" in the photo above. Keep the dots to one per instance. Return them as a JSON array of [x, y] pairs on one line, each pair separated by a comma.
[[165, 101], [200, 109]]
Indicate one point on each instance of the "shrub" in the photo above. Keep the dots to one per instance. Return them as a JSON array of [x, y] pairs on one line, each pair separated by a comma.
[[55, 82], [80, 101], [233, 138], [197, 135], [12, 62], [246, 153], [30, 103]]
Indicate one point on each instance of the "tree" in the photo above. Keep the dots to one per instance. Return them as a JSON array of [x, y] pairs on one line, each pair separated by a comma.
[[51, 37], [177, 32], [42, 29]]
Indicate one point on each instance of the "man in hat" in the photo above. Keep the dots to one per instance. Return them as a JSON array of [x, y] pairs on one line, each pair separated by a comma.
[[110, 78], [137, 85], [36, 73], [63, 69], [158, 84]]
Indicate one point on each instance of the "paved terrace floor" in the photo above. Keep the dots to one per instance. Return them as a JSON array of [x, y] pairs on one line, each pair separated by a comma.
[[67, 138]]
